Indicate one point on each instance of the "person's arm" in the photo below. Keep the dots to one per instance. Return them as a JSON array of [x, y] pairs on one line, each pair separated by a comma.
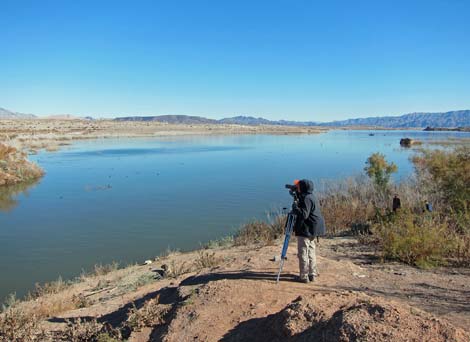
[[304, 208]]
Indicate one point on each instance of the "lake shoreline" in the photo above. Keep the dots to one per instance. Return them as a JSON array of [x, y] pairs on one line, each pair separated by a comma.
[[51, 134]]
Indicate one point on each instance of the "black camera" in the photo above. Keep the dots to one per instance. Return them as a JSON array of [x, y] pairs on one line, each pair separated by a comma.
[[291, 187], [292, 191]]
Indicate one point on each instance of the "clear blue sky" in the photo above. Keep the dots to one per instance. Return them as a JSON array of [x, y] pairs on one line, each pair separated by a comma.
[[304, 60]]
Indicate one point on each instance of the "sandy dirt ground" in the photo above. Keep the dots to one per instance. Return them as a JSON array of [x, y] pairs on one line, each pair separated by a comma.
[[356, 297]]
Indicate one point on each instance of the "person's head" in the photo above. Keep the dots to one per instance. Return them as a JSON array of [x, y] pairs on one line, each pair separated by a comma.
[[396, 196], [305, 186], [297, 186]]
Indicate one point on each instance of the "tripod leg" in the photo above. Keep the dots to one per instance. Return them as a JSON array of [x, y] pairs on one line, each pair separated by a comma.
[[289, 229], [280, 270]]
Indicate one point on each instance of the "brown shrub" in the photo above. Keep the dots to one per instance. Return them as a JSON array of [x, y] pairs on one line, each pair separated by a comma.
[[206, 259], [52, 287], [15, 168], [152, 313], [17, 325], [174, 270], [256, 232], [88, 331]]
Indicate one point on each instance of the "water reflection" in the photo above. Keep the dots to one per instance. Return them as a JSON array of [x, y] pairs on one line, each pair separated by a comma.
[[10, 193]]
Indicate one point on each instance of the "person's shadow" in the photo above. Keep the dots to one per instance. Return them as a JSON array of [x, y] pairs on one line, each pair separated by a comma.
[[235, 275]]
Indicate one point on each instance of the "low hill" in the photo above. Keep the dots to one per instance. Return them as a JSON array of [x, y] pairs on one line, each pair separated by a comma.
[[7, 114], [66, 117], [171, 119], [252, 121]]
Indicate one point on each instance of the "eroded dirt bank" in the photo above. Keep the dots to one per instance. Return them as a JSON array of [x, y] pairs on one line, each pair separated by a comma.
[[232, 296]]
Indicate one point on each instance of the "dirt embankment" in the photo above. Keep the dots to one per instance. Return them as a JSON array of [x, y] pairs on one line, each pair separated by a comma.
[[231, 295]]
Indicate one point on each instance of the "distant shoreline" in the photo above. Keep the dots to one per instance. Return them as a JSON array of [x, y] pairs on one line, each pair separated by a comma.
[[33, 135]]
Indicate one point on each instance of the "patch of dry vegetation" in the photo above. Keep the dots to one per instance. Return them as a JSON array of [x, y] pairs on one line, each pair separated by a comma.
[[151, 314], [88, 331], [258, 232], [206, 259], [18, 325], [15, 168]]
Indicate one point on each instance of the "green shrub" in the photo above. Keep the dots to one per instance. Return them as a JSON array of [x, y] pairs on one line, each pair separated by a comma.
[[379, 170], [416, 240], [445, 176]]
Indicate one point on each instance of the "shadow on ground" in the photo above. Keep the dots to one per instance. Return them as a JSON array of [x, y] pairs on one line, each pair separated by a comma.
[[236, 275]]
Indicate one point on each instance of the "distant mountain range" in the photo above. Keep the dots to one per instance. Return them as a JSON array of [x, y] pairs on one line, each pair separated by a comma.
[[6, 114], [453, 119], [460, 118]]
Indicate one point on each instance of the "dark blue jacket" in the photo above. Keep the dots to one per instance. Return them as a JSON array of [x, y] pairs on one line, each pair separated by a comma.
[[310, 222]]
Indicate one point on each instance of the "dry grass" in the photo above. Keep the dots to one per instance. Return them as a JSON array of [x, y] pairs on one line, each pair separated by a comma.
[[355, 202], [206, 259], [52, 287], [88, 331], [101, 270], [258, 232], [15, 168], [174, 269], [151, 314], [18, 325], [450, 142]]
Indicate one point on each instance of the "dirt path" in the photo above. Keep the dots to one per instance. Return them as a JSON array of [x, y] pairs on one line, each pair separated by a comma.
[[238, 299]]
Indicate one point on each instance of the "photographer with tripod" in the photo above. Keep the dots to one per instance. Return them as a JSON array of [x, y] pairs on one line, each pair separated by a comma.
[[306, 221], [309, 224]]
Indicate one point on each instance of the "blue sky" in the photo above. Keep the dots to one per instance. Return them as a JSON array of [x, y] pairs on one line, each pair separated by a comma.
[[303, 60]]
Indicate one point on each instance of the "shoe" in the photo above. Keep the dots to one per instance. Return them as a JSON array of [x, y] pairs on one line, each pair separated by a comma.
[[304, 280], [311, 277]]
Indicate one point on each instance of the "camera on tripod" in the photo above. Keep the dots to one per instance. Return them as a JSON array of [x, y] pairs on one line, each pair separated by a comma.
[[293, 191]]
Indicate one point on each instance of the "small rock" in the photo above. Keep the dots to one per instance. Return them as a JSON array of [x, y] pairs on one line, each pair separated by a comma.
[[359, 275], [147, 262]]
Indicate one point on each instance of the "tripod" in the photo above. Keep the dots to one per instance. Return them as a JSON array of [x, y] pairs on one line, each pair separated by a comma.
[[289, 228]]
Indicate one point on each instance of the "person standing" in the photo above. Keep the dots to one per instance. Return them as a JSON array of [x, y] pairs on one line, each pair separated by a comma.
[[396, 203], [309, 224]]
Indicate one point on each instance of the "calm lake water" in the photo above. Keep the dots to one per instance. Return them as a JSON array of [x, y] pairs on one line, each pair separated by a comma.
[[128, 200]]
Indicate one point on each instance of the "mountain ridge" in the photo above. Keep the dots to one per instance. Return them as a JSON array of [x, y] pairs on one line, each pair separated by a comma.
[[450, 119], [7, 114]]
